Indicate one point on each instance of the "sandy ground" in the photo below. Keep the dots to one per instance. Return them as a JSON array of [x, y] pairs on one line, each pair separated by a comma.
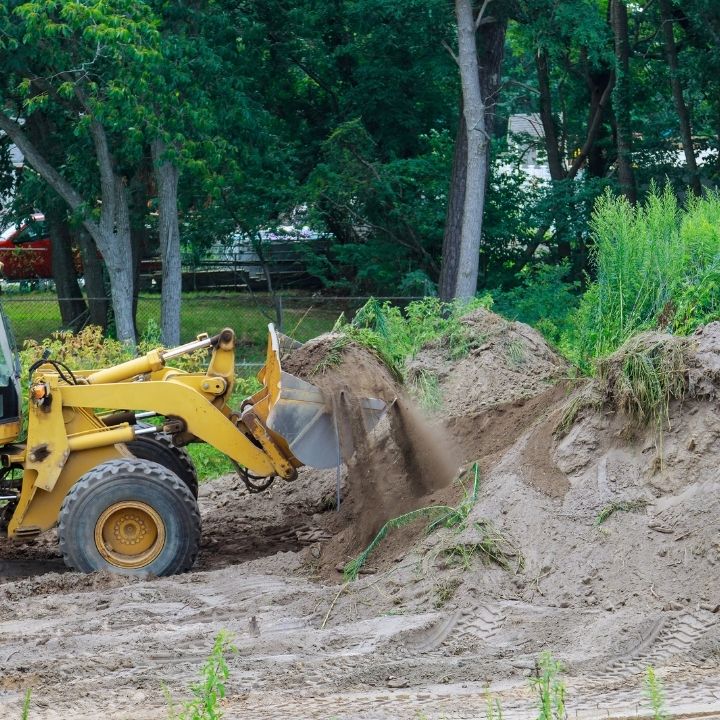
[[422, 635]]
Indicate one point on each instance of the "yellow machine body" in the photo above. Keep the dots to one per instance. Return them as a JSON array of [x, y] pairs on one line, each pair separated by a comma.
[[67, 432]]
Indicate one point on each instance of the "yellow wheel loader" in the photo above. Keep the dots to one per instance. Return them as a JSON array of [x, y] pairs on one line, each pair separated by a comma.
[[124, 492]]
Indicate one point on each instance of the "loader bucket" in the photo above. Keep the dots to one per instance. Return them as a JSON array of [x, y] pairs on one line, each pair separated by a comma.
[[298, 412]]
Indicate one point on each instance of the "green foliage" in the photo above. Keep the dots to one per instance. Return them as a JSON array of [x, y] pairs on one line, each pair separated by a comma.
[[550, 688], [26, 705], [656, 268], [619, 506], [655, 694], [209, 692], [396, 334], [544, 298]]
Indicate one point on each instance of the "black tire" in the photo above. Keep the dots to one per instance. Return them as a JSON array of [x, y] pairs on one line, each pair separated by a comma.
[[111, 485], [160, 449]]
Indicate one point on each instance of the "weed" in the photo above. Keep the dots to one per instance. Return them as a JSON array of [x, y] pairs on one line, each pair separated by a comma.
[[456, 517], [621, 506], [655, 694], [644, 375], [491, 546], [586, 399], [352, 569], [333, 357], [426, 389], [210, 691], [449, 517], [549, 687], [493, 709], [26, 705], [656, 268]]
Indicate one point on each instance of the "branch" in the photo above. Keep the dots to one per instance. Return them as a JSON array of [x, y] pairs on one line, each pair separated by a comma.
[[53, 178], [452, 53], [479, 19], [593, 128]]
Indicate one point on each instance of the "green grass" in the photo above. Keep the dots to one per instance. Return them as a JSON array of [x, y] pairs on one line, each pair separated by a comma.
[[645, 375], [619, 506], [36, 316]]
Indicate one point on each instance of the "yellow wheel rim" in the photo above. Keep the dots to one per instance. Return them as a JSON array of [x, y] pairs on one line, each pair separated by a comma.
[[130, 534]]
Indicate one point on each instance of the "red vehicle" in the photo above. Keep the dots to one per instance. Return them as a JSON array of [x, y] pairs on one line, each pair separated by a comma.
[[25, 251]]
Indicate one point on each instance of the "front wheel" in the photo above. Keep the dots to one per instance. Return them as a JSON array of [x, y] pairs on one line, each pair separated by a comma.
[[130, 517]]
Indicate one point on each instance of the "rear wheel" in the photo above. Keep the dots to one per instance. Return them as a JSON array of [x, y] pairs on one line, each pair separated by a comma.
[[159, 448], [130, 517]]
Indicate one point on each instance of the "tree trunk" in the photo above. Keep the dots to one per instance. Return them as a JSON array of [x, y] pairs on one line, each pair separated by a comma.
[[114, 239], [453, 220], [492, 50], [621, 100], [677, 93], [168, 175], [94, 274], [73, 309], [474, 114], [552, 147]]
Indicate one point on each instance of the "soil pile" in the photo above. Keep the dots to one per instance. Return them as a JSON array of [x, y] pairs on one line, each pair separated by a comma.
[[505, 378], [629, 516], [504, 362]]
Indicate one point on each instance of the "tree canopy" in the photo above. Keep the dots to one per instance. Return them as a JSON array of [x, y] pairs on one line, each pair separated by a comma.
[[343, 115]]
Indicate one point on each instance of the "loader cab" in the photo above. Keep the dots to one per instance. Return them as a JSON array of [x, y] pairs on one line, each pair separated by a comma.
[[9, 384]]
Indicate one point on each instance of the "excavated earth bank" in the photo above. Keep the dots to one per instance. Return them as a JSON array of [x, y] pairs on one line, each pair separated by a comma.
[[434, 624]]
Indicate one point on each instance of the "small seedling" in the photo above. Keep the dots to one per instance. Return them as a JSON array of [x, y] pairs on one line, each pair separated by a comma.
[[209, 692], [655, 694], [550, 688], [26, 705]]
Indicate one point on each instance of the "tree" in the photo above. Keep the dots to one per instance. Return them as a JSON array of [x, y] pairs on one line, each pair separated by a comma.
[[668, 32], [70, 57]]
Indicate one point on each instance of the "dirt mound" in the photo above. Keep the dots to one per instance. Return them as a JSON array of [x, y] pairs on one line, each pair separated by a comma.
[[636, 521], [501, 363]]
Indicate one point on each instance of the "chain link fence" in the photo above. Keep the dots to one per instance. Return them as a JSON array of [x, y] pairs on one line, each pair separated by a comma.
[[37, 315]]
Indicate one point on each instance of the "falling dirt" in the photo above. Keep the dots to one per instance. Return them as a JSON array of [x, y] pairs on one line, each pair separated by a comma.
[[388, 469], [612, 540]]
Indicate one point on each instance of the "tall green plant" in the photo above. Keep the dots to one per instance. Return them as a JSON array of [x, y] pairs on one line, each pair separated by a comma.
[[550, 688], [657, 266]]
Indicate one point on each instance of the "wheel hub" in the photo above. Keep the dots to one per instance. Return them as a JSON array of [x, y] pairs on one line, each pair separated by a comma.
[[130, 534]]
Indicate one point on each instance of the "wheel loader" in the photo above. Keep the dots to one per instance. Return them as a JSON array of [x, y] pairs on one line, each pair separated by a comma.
[[122, 490]]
